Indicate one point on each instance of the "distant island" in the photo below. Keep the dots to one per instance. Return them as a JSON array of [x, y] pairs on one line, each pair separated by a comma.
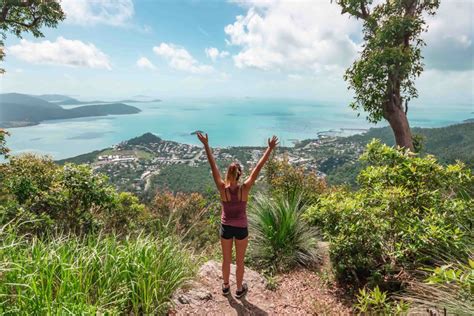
[[60, 99], [19, 110]]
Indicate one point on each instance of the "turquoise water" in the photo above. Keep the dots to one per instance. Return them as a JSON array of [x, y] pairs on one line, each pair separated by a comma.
[[229, 122]]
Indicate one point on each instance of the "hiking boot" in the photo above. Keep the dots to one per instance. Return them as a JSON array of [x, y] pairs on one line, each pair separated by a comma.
[[225, 288], [242, 292]]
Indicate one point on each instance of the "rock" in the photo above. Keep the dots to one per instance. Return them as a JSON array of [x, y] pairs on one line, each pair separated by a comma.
[[193, 296], [183, 299]]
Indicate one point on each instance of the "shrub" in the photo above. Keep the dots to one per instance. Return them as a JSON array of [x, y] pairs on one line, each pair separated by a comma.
[[376, 302], [90, 275], [407, 210], [449, 287], [68, 198], [280, 237], [3, 146], [288, 180], [191, 216]]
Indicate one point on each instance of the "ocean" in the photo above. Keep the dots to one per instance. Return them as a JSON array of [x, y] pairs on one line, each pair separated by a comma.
[[229, 122]]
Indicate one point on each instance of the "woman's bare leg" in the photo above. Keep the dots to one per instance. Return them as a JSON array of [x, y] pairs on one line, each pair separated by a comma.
[[226, 245], [240, 248]]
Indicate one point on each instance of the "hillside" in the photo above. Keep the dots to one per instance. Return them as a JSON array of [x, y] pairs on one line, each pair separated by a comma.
[[448, 144], [22, 110], [147, 163]]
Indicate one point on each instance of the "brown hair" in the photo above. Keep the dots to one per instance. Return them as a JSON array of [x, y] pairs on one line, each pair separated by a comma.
[[234, 171]]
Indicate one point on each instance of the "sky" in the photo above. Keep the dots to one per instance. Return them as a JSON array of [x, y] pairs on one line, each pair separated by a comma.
[[111, 49]]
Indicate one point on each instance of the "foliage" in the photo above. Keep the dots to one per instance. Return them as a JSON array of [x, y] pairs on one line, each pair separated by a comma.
[[183, 178], [191, 216], [448, 286], [448, 144], [90, 275], [27, 16], [406, 206], [281, 238], [378, 303], [3, 143], [69, 198], [286, 179], [391, 56]]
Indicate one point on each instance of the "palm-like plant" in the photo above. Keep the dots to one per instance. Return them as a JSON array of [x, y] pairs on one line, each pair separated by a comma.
[[281, 239]]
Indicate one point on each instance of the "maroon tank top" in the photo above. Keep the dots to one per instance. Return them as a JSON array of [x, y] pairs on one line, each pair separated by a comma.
[[234, 211]]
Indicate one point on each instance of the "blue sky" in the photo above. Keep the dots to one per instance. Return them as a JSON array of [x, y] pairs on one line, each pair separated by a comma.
[[259, 48]]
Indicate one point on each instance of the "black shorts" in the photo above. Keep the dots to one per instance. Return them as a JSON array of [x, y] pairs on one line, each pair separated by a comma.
[[229, 232]]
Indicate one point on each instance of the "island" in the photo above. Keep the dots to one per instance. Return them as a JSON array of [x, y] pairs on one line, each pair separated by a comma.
[[19, 110]]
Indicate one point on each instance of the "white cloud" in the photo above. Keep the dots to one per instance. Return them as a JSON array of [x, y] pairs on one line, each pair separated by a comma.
[[145, 63], [299, 35], [91, 12], [61, 52], [295, 77], [449, 40], [295, 35], [213, 53], [179, 58]]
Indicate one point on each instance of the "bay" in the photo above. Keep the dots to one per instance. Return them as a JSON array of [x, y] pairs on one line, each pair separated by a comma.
[[229, 122]]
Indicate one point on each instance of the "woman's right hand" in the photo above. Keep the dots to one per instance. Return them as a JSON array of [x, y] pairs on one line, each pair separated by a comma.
[[204, 139], [273, 142]]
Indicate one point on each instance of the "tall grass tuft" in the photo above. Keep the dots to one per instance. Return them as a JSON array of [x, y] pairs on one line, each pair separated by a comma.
[[281, 238], [447, 288], [95, 274]]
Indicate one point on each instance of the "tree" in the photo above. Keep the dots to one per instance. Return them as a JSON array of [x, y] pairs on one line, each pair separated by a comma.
[[383, 77], [27, 16], [3, 148]]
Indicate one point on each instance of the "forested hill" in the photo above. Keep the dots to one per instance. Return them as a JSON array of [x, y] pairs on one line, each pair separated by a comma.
[[22, 110], [448, 144]]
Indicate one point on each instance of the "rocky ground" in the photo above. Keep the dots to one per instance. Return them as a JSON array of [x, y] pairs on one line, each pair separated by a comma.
[[300, 292]]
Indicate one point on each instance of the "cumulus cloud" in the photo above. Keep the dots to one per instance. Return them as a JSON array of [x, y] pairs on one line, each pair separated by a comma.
[[179, 58], [61, 52], [213, 53], [299, 35], [450, 37], [91, 12], [145, 63], [296, 35]]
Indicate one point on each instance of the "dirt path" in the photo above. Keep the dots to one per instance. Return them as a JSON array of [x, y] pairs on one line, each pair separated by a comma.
[[299, 292]]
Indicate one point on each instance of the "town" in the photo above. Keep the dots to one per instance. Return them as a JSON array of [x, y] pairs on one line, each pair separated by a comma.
[[132, 165]]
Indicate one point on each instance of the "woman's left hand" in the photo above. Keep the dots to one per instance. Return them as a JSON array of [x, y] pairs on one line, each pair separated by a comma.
[[203, 138]]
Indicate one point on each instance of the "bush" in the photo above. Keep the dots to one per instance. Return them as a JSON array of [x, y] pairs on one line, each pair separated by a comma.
[[280, 237], [407, 210], [191, 216], [288, 180], [68, 198], [3, 146], [447, 287], [376, 302], [90, 275]]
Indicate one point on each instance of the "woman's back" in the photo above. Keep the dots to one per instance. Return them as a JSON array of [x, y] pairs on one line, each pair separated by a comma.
[[234, 210]]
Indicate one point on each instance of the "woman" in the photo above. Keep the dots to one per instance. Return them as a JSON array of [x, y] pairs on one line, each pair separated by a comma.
[[234, 212]]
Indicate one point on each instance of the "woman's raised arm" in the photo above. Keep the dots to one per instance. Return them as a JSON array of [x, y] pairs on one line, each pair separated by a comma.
[[272, 143], [215, 171]]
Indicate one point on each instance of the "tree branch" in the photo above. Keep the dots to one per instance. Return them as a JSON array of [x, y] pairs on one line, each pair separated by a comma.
[[363, 14], [33, 23], [5, 10]]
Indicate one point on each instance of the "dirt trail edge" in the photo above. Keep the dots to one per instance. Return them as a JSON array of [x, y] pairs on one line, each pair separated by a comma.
[[299, 292]]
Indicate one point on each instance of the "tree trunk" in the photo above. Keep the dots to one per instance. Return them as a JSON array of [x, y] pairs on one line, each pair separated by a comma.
[[401, 128]]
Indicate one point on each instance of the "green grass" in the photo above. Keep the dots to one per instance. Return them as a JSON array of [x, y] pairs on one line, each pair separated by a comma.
[[102, 274], [281, 238]]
